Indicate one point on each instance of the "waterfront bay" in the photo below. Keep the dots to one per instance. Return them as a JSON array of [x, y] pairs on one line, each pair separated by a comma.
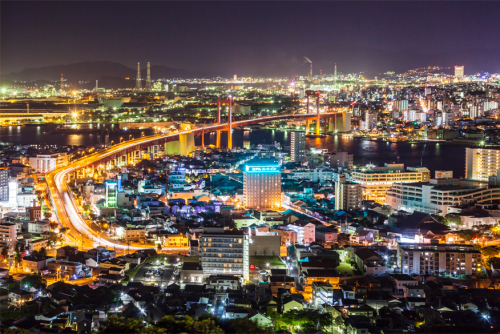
[[433, 155]]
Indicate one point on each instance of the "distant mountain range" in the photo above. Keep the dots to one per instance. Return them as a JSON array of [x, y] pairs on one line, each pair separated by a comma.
[[268, 62], [108, 73]]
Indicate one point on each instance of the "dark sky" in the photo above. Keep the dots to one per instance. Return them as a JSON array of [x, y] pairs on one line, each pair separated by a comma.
[[236, 36]]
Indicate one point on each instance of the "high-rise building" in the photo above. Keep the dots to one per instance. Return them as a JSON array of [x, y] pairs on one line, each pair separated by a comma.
[[370, 120], [348, 195], [111, 193], [432, 259], [8, 235], [401, 105], [224, 252], [262, 184], [297, 146], [459, 72], [481, 163], [4, 185]]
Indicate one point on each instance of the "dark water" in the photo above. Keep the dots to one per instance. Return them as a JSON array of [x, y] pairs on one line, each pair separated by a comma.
[[44, 134], [434, 156]]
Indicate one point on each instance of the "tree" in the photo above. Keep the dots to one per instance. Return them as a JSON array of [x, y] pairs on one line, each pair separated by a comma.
[[489, 252], [243, 325], [32, 281], [453, 219], [42, 252], [5, 252], [467, 235], [47, 215], [306, 318], [116, 324], [159, 247], [204, 325]]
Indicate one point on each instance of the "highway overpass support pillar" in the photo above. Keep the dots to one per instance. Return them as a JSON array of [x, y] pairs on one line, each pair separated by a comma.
[[331, 124], [172, 148], [186, 143], [308, 125]]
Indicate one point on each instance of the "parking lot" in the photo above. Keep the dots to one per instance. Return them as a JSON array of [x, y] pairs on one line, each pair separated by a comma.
[[154, 277]]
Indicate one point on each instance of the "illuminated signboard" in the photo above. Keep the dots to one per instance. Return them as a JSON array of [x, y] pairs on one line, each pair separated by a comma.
[[262, 169]]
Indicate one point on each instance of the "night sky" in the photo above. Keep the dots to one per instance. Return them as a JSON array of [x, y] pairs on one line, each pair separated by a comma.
[[241, 37]]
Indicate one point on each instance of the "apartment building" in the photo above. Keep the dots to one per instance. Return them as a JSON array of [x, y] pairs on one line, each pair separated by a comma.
[[224, 252], [297, 146], [322, 293], [315, 175], [340, 159], [135, 234], [4, 185], [38, 227], [8, 235], [432, 259], [375, 182], [439, 195], [481, 163], [348, 195], [44, 163], [305, 231]]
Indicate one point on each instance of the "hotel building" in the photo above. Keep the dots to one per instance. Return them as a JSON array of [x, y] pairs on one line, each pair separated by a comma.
[[437, 195], [262, 184], [375, 182]]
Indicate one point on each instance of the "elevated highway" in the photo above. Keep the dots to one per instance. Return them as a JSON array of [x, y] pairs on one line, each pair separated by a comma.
[[67, 210]]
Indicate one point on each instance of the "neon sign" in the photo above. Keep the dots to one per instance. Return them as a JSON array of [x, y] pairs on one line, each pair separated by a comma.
[[262, 169]]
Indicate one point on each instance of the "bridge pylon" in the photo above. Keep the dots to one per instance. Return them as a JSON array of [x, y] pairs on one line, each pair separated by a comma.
[[229, 101]]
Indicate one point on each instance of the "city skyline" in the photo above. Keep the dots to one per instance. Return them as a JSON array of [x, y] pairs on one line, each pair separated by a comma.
[[249, 167]]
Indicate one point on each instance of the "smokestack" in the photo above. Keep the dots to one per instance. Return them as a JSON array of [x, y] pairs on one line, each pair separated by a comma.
[[97, 85], [138, 84], [309, 61], [148, 78], [62, 82]]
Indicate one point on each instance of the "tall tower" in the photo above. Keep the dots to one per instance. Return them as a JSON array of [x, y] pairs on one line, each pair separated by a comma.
[[148, 79], [138, 85], [335, 73]]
